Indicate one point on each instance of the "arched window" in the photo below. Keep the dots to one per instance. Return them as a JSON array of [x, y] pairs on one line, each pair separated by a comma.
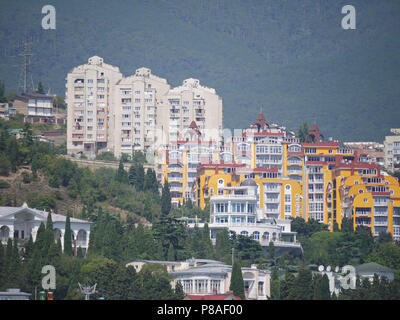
[[57, 234], [81, 238], [244, 233], [256, 235], [266, 235]]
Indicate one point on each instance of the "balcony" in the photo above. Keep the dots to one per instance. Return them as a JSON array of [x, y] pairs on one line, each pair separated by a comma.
[[175, 178], [272, 200], [176, 188]]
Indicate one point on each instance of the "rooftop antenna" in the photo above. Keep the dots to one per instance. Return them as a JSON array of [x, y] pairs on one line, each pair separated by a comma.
[[87, 290], [26, 74]]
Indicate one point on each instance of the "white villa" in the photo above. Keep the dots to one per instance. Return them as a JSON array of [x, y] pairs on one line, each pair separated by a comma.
[[210, 277], [22, 222], [236, 208]]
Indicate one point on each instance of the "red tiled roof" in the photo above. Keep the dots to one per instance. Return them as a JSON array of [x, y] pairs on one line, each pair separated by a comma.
[[321, 144]]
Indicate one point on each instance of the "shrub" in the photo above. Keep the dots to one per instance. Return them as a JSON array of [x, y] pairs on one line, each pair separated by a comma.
[[26, 177], [4, 184]]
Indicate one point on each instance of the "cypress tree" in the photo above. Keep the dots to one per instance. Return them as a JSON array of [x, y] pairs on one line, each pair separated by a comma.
[[303, 289], [179, 293], [121, 175], [287, 286], [237, 284], [275, 285], [223, 246], [132, 175], [139, 182], [40, 242], [206, 243], [324, 292], [165, 200], [68, 237], [49, 232]]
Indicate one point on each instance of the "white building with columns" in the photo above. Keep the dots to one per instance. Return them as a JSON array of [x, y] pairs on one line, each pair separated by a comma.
[[23, 222]]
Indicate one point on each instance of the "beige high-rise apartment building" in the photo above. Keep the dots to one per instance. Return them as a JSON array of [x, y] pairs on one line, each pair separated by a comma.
[[392, 151], [89, 102], [135, 111], [190, 102], [110, 112]]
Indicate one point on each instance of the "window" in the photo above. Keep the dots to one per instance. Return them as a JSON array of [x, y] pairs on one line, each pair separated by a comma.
[[256, 235], [215, 286], [260, 288], [187, 286], [201, 286]]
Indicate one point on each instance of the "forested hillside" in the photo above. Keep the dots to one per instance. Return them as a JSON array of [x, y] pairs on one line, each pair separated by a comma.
[[290, 58]]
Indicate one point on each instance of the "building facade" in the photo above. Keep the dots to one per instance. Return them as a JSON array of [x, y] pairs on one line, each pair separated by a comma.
[[89, 97], [23, 222], [202, 277], [110, 112], [314, 180], [392, 151]]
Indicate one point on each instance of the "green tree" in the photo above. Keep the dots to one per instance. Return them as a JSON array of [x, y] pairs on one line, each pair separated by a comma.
[[321, 288], [275, 290], [171, 253], [68, 236], [165, 199], [179, 293], [121, 175], [287, 286], [40, 88], [303, 285], [237, 284]]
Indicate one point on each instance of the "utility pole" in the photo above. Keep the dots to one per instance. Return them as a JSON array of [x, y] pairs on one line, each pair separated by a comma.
[[233, 250], [25, 67]]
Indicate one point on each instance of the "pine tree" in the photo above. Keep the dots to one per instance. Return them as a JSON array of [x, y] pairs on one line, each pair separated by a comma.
[[68, 237], [237, 283], [171, 253]]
